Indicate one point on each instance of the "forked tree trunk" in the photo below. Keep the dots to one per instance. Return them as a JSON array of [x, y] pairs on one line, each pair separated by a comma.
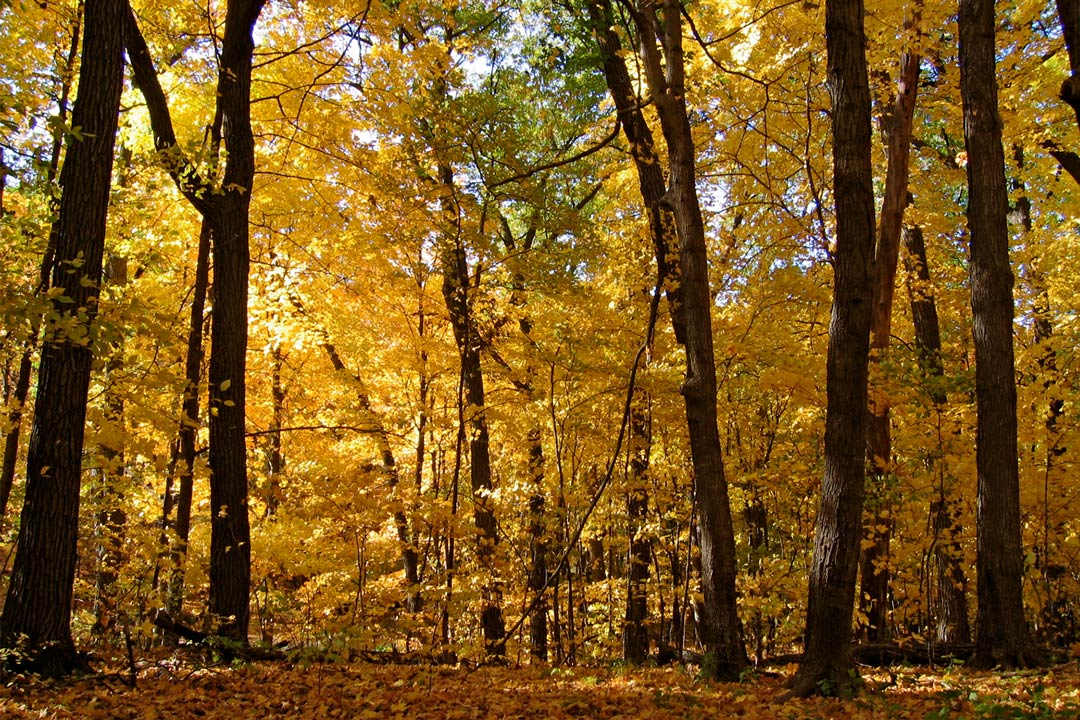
[[828, 664], [677, 202], [226, 209], [37, 612], [896, 124]]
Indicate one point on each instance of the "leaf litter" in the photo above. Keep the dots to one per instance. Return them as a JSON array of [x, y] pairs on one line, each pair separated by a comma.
[[264, 691]]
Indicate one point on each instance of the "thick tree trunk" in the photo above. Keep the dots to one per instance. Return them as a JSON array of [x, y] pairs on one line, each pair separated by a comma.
[[1002, 636], [949, 600], [828, 664], [37, 611], [1069, 12], [896, 124]]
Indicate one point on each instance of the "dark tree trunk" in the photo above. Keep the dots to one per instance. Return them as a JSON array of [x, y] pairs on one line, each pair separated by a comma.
[[635, 631], [828, 663], [1069, 12], [896, 124], [949, 600], [226, 210], [720, 628], [276, 460], [189, 429], [455, 289], [37, 611], [17, 402], [538, 549], [1002, 636], [756, 518]]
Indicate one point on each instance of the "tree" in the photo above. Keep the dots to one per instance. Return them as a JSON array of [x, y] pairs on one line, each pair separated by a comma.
[[1002, 636], [661, 55], [37, 612], [226, 208], [828, 664]]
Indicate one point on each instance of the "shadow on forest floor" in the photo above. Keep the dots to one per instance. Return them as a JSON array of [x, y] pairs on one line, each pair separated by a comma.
[[167, 689]]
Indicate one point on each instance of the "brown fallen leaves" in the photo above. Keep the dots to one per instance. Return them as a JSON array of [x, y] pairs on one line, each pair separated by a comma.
[[360, 691]]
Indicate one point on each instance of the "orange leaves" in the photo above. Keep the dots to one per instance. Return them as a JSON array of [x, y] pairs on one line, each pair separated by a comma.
[[425, 692]]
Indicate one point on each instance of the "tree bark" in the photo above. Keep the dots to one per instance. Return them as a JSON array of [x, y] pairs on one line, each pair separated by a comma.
[[1002, 636], [455, 290], [37, 612], [189, 429], [828, 664]]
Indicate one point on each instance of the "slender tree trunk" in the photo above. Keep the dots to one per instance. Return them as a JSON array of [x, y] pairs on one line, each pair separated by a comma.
[[276, 458], [37, 611], [635, 630], [720, 628], [538, 548], [409, 556], [897, 122], [1002, 635], [828, 663], [456, 294], [189, 429], [949, 599]]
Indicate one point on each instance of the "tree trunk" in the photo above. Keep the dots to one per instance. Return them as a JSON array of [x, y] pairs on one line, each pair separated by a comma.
[[409, 556], [37, 612], [1002, 636], [949, 600], [896, 123], [189, 429], [226, 209], [276, 460], [635, 631], [721, 630], [1069, 13], [455, 289], [828, 663], [538, 549]]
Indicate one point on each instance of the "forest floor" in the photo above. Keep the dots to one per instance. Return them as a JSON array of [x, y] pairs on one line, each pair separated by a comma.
[[170, 689]]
